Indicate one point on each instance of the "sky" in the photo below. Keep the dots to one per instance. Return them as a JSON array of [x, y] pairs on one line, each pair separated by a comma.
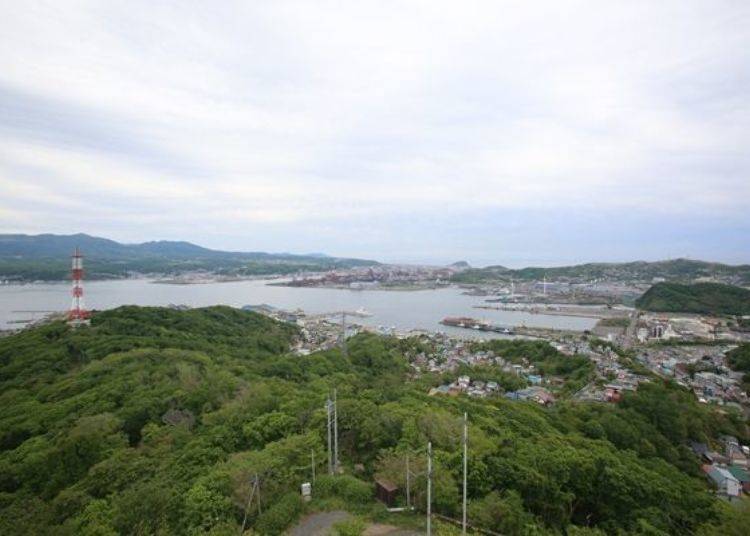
[[500, 132]]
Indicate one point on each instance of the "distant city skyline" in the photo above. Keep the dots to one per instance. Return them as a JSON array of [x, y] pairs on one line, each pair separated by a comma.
[[513, 133]]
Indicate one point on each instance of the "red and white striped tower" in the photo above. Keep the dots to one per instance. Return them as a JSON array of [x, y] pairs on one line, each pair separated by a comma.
[[78, 314]]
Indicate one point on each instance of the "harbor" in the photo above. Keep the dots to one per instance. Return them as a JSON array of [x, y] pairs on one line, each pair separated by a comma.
[[595, 312], [476, 325], [401, 311]]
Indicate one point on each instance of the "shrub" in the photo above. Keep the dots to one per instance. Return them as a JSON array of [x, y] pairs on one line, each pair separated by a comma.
[[346, 487], [351, 527], [279, 516]]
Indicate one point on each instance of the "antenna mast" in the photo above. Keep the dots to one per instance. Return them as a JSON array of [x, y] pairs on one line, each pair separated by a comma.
[[78, 314]]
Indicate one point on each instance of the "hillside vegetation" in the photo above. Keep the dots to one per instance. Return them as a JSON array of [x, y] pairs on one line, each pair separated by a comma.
[[673, 270], [701, 298], [154, 421], [46, 257]]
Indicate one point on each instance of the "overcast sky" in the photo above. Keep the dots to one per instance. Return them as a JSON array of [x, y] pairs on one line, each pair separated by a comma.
[[497, 132]]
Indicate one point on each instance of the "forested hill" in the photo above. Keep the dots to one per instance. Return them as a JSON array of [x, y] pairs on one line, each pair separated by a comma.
[[46, 256], [154, 421], [700, 298], [672, 270]]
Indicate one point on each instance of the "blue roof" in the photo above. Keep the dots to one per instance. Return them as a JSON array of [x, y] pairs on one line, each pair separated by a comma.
[[739, 473], [719, 474]]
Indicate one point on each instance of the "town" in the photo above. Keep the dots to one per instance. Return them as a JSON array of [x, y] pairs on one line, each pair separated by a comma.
[[688, 350]]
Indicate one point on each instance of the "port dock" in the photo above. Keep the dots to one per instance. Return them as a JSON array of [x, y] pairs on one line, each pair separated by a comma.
[[476, 325]]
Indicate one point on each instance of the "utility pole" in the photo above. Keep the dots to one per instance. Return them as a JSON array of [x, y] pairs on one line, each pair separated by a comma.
[[312, 464], [466, 442], [408, 484], [429, 488], [330, 450], [343, 333], [335, 435], [249, 501]]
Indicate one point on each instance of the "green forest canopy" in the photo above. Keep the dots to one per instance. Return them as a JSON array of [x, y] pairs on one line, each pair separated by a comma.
[[701, 298], [153, 420], [682, 270]]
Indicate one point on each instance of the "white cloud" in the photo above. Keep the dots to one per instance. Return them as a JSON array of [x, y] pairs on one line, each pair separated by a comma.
[[320, 114]]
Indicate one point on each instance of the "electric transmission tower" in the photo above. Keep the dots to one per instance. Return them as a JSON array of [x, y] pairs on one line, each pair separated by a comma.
[[78, 314]]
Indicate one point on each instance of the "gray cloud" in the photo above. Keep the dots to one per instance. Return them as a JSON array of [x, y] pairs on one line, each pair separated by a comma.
[[420, 129]]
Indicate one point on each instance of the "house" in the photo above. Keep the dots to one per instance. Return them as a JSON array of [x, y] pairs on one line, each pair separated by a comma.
[[733, 451], [545, 398], [715, 458], [535, 379], [537, 394], [729, 442], [726, 483], [742, 475], [612, 395], [442, 390], [737, 457], [699, 449]]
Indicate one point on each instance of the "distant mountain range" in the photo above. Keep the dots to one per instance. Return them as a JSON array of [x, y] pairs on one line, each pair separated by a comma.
[[685, 270], [46, 257]]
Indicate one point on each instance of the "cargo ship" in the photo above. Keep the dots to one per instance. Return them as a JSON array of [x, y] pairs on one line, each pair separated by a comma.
[[477, 325]]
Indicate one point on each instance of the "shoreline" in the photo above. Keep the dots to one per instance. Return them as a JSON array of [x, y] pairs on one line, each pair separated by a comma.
[[397, 288]]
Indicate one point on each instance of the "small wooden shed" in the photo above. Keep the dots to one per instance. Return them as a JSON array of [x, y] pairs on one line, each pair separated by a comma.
[[386, 491]]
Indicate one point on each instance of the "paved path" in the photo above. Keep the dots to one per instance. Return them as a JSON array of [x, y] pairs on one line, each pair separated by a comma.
[[320, 524], [388, 530]]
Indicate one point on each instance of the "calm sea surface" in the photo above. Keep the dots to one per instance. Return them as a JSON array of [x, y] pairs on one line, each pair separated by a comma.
[[400, 309]]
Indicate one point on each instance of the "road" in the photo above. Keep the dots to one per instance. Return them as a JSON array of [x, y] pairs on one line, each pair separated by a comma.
[[630, 333]]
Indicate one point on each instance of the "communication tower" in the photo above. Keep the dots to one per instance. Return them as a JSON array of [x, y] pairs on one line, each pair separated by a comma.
[[78, 314]]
